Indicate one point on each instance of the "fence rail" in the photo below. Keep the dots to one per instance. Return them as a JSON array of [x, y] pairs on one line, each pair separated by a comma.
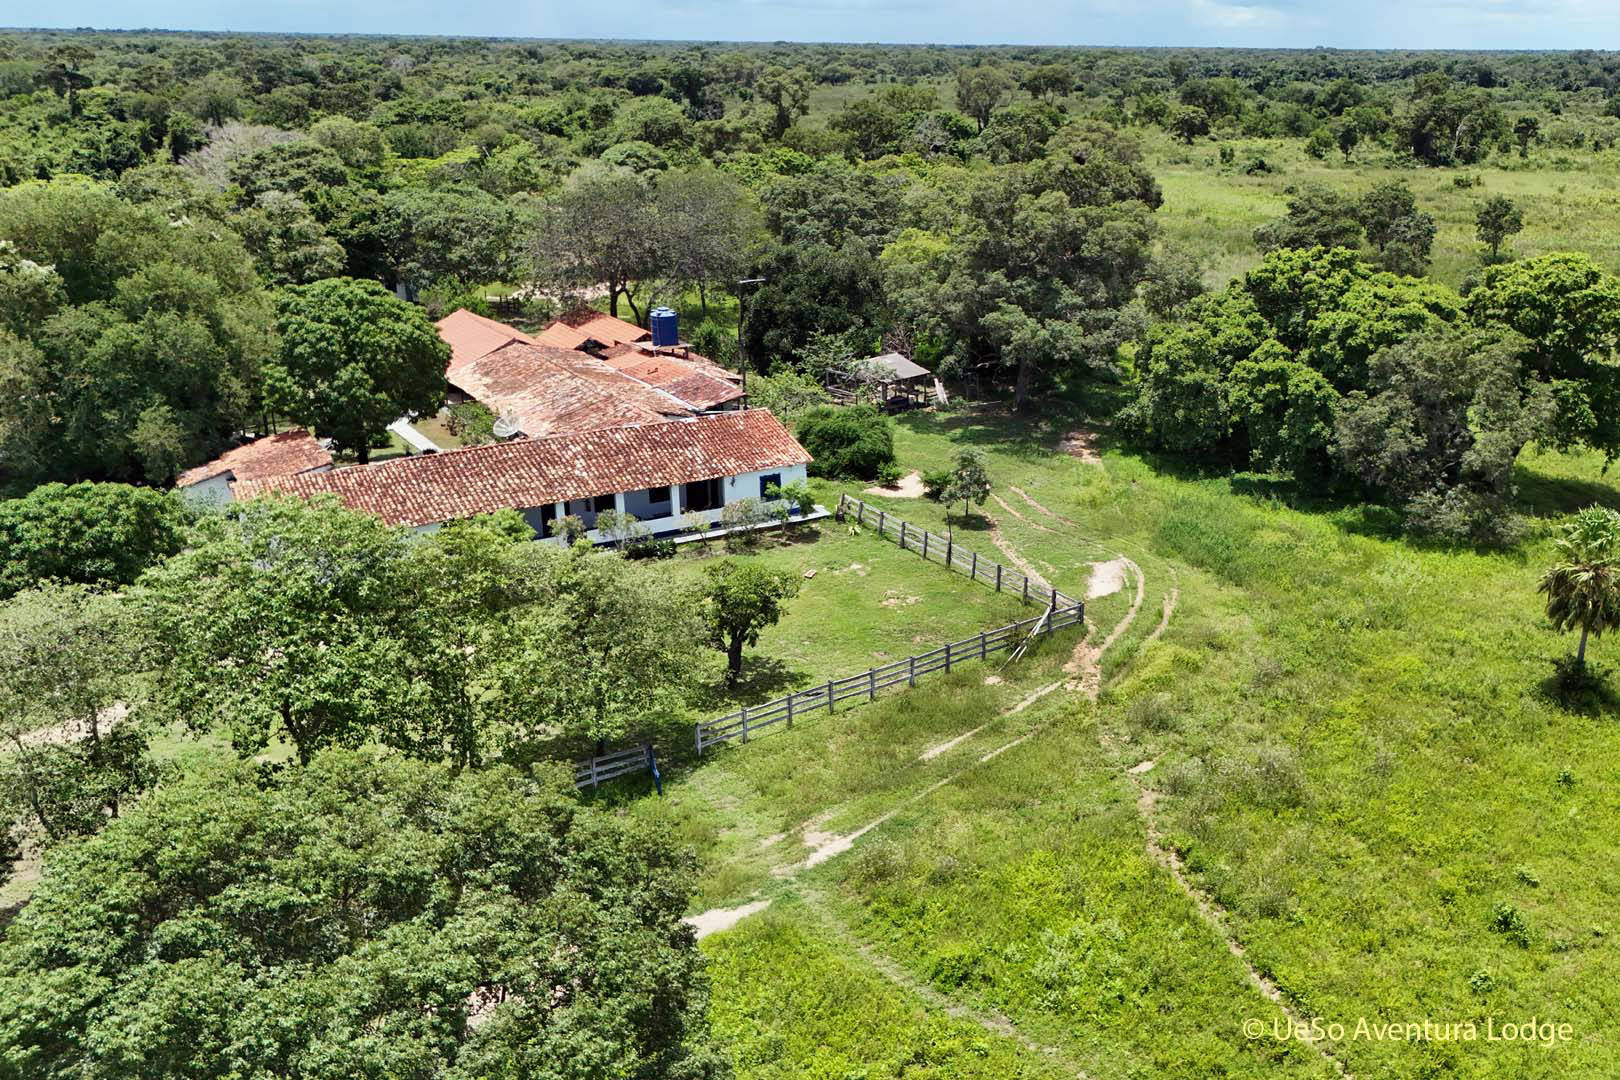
[[751, 719], [1061, 612], [947, 552], [592, 771]]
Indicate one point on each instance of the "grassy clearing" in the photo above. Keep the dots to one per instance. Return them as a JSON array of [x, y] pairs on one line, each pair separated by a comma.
[[1570, 200], [1355, 752]]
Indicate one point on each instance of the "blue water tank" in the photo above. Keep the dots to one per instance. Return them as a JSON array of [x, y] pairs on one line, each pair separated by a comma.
[[664, 329]]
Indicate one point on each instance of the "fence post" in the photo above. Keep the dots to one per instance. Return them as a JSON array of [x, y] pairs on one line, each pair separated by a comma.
[[829, 696], [911, 670], [947, 658], [974, 573], [745, 722], [998, 577], [790, 697], [1026, 588], [881, 515], [982, 646], [697, 730], [925, 545], [902, 534], [871, 684], [950, 550]]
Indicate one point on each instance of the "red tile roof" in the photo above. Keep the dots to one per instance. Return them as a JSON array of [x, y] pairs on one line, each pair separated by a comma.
[[562, 335], [283, 454], [471, 336], [691, 382], [550, 391], [526, 473], [604, 328]]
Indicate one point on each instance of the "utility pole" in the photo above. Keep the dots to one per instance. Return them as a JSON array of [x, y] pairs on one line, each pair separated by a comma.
[[742, 313]]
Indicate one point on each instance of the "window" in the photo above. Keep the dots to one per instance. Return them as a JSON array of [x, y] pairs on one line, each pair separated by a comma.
[[602, 502], [658, 496], [768, 481], [705, 495]]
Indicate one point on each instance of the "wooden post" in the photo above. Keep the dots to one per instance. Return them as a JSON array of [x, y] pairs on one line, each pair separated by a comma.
[[998, 577], [911, 670], [950, 549], [860, 513], [871, 684], [745, 723], [697, 730], [1026, 588], [974, 573], [902, 534], [829, 696], [982, 647], [791, 695], [881, 515], [947, 658]]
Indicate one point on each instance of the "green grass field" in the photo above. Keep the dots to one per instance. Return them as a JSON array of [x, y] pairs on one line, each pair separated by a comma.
[[1353, 750]]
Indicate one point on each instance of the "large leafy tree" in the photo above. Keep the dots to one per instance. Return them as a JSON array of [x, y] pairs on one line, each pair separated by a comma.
[[361, 916], [94, 534], [1317, 216], [430, 236], [597, 230], [288, 620], [353, 358], [706, 223], [1567, 310], [139, 347], [1583, 586]]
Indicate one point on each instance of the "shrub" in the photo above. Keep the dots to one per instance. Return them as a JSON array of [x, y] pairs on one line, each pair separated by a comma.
[[650, 549], [471, 422], [935, 483], [90, 534], [1510, 922], [855, 441]]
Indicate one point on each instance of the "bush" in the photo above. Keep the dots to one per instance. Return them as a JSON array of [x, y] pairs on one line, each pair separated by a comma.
[[888, 475], [471, 422], [935, 483], [853, 442], [650, 549]]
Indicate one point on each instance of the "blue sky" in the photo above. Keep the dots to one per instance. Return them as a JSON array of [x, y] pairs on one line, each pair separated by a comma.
[[1499, 24]]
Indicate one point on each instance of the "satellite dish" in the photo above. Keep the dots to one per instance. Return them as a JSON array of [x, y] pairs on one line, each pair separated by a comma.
[[505, 427]]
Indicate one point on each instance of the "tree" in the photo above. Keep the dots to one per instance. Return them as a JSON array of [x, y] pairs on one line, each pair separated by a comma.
[[68, 656], [597, 230], [1526, 129], [283, 620], [787, 92], [352, 359], [1498, 219], [1317, 216], [1439, 428], [1048, 81], [430, 236], [706, 223], [741, 598], [979, 89], [1348, 136], [969, 482], [361, 916], [1566, 310], [91, 534], [144, 339], [286, 241], [1583, 587], [1449, 124], [1188, 122]]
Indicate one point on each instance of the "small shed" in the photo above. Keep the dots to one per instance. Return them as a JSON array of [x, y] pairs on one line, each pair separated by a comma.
[[890, 381]]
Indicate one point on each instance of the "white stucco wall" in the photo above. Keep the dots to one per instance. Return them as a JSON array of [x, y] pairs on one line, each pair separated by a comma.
[[211, 493]]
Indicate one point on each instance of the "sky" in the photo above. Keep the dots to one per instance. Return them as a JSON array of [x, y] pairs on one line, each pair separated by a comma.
[[1412, 24]]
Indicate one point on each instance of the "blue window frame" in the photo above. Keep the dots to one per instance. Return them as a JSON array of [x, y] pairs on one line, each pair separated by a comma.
[[768, 481]]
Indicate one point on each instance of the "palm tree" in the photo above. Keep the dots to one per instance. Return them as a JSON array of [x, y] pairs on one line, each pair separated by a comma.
[[1583, 588]]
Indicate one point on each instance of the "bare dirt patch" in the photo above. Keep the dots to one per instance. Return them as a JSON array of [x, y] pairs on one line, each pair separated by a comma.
[[1107, 578], [717, 919], [909, 486], [1081, 443]]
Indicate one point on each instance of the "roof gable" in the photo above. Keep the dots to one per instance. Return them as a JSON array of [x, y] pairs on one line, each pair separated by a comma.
[[282, 454]]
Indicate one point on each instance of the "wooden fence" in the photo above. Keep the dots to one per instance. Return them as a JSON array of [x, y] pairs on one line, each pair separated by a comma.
[[1061, 612], [947, 552], [752, 719], [592, 771]]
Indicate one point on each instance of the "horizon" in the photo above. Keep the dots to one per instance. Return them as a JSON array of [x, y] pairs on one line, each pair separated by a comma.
[[1377, 25]]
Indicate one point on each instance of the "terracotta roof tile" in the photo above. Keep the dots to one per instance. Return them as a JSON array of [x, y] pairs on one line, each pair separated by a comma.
[[283, 454], [550, 391], [604, 328], [471, 336], [527, 473], [673, 374]]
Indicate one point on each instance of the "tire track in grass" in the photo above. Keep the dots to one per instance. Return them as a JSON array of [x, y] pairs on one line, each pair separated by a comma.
[[990, 1019]]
